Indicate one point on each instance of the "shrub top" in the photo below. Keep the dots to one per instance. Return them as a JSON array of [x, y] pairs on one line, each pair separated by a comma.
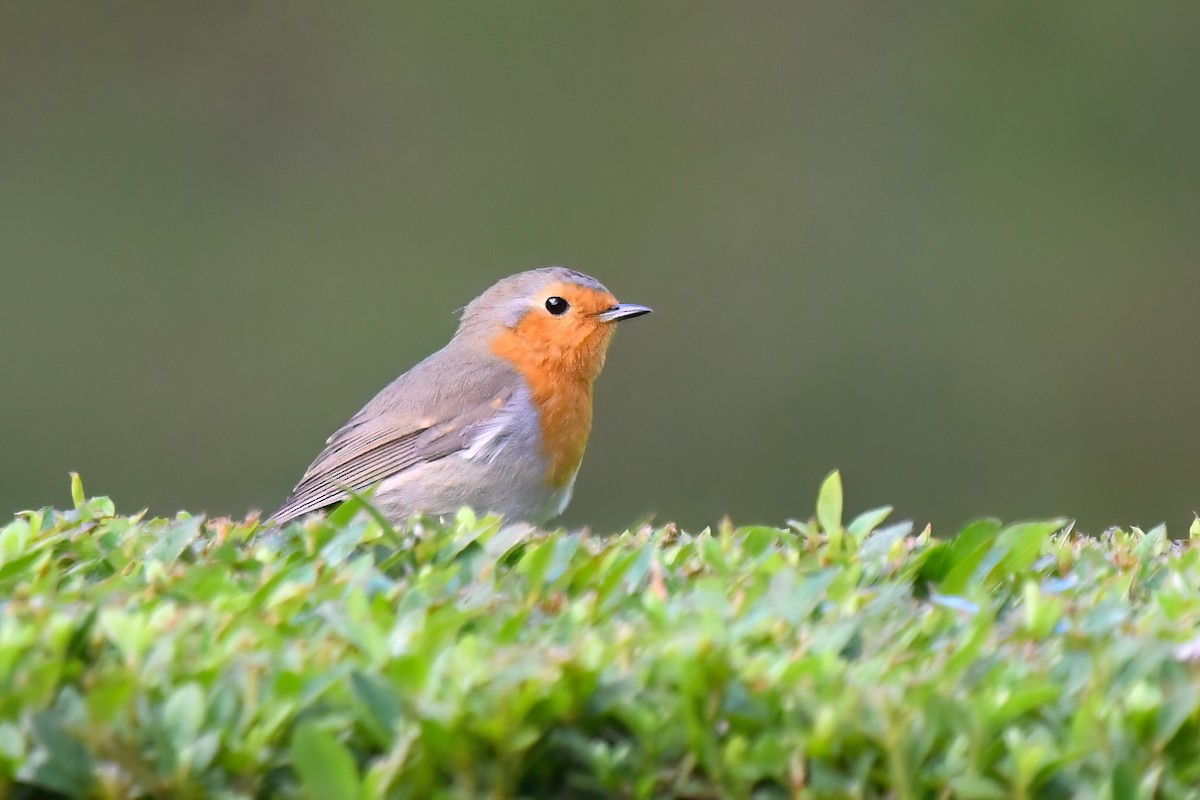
[[341, 659]]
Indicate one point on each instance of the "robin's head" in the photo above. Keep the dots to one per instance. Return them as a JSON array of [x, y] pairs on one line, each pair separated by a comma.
[[552, 320]]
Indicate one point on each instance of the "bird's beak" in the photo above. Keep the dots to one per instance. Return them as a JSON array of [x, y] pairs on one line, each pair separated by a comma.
[[623, 311]]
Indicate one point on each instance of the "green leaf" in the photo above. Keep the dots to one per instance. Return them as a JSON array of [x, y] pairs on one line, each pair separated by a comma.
[[325, 766], [974, 787], [1152, 543], [171, 543], [1021, 700], [1024, 542], [1183, 700], [756, 539], [965, 553], [880, 541], [364, 500], [868, 521], [1124, 781], [65, 765], [107, 698], [506, 540], [100, 508], [77, 495], [12, 743], [183, 714], [379, 701], [14, 539], [713, 555], [19, 565], [829, 503], [536, 561]]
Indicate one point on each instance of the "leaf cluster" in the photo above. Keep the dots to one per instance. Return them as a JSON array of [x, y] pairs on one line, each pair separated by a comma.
[[181, 658]]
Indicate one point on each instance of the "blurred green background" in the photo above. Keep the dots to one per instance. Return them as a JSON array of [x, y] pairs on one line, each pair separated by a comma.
[[951, 249]]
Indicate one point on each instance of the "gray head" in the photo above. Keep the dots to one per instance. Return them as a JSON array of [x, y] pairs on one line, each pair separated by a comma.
[[551, 319], [554, 291]]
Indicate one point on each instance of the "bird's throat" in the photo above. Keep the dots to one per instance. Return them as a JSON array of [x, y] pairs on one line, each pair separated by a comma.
[[562, 393]]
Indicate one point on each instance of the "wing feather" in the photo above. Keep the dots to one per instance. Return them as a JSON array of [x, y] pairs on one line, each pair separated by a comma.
[[321, 488], [381, 441]]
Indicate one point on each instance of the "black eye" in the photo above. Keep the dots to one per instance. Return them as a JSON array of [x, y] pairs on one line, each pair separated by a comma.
[[557, 306]]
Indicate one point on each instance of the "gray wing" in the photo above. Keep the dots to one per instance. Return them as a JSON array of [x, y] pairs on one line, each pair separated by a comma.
[[400, 429]]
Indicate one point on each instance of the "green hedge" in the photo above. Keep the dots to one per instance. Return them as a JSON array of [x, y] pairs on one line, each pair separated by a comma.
[[181, 658]]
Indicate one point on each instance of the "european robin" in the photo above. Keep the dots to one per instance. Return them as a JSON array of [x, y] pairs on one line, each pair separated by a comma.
[[497, 420]]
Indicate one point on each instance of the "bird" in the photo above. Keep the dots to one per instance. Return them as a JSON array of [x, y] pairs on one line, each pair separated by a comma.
[[497, 420]]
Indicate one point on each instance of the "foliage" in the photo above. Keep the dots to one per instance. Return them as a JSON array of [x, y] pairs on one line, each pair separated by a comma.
[[342, 659]]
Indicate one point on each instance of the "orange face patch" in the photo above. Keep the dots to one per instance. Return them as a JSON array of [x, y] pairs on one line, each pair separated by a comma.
[[560, 356]]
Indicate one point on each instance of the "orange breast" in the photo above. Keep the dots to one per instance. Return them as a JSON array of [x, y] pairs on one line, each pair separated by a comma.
[[564, 405], [566, 420], [560, 359]]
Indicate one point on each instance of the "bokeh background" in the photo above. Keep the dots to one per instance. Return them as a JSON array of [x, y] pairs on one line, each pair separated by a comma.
[[951, 249]]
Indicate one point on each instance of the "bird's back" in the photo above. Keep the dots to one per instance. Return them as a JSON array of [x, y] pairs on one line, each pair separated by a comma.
[[436, 410]]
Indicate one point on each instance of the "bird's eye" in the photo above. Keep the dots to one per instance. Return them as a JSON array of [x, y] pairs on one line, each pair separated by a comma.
[[557, 306]]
